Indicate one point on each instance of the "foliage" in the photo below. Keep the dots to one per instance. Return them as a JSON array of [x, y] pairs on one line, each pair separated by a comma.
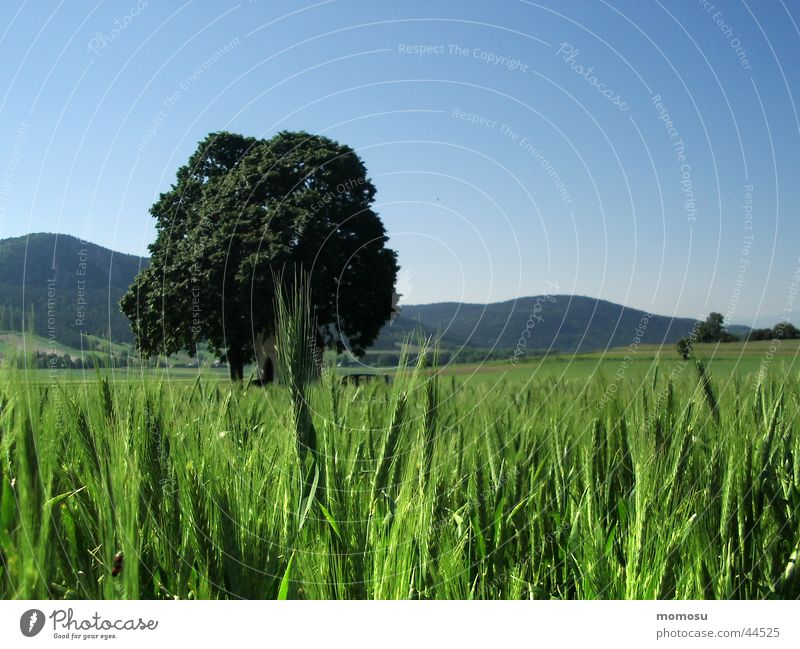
[[781, 331], [684, 347], [713, 330], [241, 211]]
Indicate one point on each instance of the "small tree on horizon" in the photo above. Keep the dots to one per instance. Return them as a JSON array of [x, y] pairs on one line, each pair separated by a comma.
[[713, 330]]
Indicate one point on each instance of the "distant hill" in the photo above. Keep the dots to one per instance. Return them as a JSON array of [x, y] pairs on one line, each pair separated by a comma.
[[741, 330], [564, 323], [64, 286]]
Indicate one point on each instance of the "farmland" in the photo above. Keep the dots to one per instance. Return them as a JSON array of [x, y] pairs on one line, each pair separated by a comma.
[[555, 478]]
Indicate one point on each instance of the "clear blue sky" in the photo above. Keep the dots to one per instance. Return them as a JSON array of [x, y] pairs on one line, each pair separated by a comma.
[[556, 182]]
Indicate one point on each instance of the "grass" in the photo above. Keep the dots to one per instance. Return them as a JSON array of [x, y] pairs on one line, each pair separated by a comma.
[[668, 485]]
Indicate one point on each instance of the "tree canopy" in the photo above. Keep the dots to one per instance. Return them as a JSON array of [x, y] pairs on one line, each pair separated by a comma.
[[710, 330], [785, 330], [244, 212], [713, 330]]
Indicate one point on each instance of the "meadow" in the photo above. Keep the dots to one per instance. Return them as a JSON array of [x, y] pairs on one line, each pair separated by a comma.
[[669, 479]]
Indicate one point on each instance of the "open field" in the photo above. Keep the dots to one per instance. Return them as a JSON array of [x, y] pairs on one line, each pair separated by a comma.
[[724, 359], [675, 483]]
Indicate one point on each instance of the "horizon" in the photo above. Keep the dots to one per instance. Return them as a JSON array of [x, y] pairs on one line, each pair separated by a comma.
[[764, 321]]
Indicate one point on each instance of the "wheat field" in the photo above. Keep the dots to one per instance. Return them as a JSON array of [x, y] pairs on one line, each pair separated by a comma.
[[425, 488]]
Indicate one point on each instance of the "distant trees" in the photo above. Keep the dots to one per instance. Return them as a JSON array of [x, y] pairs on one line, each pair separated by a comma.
[[782, 330], [445, 356], [42, 360], [712, 330]]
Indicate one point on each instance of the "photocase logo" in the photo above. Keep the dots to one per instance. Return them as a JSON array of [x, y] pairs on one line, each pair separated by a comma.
[[31, 622]]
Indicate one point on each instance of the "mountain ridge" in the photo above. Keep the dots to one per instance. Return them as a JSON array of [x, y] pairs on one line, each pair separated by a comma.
[[100, 276], [561, 322]]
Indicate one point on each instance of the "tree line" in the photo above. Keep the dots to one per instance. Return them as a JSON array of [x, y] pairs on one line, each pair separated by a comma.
[[712, 330]]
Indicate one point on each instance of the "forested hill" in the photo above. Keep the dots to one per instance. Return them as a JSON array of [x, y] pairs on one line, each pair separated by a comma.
[[565, 323], [64, 286], [85, 282]]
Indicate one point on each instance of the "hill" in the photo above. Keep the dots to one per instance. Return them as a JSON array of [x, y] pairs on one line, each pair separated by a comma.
[[564, 323], [64, 286]]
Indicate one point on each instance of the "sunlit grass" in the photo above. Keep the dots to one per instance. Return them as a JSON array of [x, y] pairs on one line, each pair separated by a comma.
[[427, 488]]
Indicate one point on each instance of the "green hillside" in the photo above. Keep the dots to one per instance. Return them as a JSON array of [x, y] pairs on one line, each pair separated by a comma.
[[59, 287]]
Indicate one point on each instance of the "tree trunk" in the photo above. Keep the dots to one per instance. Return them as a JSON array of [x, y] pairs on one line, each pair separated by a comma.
[[268, 374], [236, 364]]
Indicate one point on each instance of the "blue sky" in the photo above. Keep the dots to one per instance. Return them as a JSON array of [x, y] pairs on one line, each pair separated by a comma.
[[515, 145]]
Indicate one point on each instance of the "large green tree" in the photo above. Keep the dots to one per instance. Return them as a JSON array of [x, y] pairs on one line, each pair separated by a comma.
[[244, 212]]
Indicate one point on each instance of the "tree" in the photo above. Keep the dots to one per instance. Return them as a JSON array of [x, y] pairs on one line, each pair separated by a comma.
[[786, 330], [247, 217], [684, 347], [713, 330], [783, 329]]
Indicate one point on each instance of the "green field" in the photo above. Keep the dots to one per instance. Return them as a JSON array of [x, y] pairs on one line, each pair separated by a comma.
[[725, 360], [561, 478]]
